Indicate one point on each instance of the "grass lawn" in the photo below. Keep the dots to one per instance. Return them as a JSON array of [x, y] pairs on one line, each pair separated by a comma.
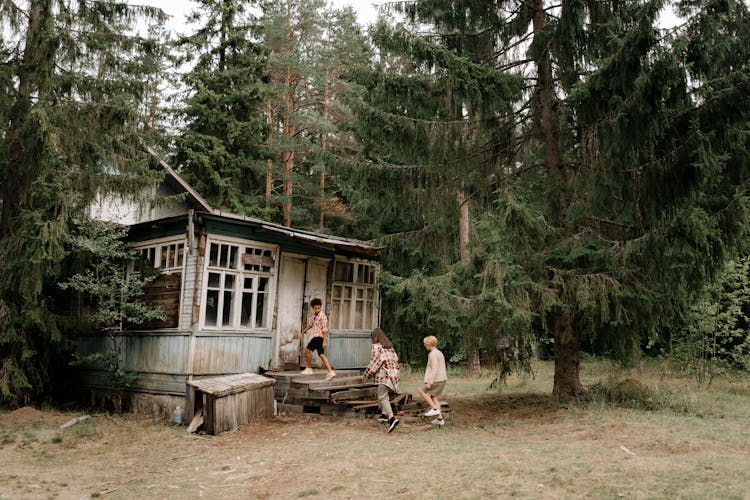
[[509, 441]]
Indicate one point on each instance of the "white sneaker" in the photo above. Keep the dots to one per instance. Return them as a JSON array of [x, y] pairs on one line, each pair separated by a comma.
[[438, 421], [330, 375], [306, 371], [432, 412]]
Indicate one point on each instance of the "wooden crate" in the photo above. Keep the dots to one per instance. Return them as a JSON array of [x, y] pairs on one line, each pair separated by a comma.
[[226, 402]]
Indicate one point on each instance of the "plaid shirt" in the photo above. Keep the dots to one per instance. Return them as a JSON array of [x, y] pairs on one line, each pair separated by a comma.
[[319, 324], [383, 366]]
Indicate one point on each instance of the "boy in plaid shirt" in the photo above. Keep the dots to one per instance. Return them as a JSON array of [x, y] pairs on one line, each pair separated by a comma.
[[384, 369]]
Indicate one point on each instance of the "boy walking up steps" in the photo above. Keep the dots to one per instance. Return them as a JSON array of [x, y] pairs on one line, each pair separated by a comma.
[[319, 340]]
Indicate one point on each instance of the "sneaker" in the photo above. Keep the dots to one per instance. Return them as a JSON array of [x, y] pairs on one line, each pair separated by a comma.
[[383, 418], [438, 421], [306, 371], [393, 423], [330, 375], [432, 412]]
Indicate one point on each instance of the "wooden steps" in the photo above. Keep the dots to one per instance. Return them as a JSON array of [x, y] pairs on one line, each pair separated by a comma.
[[347, 393]]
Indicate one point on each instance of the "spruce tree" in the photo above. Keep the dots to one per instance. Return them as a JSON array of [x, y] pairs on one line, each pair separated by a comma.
[[622, 185], [71, 95], [218, 146]]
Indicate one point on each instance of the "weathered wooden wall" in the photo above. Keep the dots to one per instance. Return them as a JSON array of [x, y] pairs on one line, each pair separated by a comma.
[[163, 357], [349, 350]]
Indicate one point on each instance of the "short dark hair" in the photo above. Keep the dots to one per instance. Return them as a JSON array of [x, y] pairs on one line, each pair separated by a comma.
[[316, 302]]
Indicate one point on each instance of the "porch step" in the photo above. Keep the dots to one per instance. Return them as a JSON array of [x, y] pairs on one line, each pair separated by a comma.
[[319, 384]]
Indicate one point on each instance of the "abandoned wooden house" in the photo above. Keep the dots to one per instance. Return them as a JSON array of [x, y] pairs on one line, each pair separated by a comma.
[[235, 290]]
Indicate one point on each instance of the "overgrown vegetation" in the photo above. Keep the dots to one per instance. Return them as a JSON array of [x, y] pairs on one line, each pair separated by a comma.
[[112, 282]]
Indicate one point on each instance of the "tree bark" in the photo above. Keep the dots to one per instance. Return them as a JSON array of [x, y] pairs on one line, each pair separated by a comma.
[[269, 162], [567, 381], [464, 225], [567, 384], [474, 363], [287, 157]]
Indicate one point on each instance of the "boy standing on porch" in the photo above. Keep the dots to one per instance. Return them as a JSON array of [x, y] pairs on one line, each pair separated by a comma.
[[319, 340]]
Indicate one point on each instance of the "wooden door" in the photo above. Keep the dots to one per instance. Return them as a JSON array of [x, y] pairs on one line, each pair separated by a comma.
[[291, 299], [316, 279]]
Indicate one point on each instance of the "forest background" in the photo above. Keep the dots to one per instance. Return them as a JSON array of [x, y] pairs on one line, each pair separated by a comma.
[[571, 176]]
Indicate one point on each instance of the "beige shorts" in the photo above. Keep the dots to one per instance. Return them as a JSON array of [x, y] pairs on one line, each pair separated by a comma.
[[436, 389]]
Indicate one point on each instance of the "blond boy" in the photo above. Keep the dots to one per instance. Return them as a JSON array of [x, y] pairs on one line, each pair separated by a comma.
[[435, 377]]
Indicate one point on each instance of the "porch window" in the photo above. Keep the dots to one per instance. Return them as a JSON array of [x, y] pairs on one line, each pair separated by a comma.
[[353, 297], [238, 282], [167, 257]]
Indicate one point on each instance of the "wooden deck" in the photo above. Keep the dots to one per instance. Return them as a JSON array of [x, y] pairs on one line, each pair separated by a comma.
[[346, 394]]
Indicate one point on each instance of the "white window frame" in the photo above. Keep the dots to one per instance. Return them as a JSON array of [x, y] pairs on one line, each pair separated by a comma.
[[240, 275], [347, 294], [163, 250]]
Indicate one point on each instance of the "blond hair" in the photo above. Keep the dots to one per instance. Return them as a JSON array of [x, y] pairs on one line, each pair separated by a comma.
[[431, 341]]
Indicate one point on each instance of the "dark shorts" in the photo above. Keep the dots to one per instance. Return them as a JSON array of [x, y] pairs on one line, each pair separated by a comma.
[[316, 344]]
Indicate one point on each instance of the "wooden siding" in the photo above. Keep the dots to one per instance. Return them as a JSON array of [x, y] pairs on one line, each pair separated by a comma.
[[164, 292], [160, 353], [231, 353], [153, 383], [188, 291], [349, 350]]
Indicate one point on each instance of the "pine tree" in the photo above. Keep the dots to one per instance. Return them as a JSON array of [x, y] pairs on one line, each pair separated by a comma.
[[71, 92], [311, 50], [218, 148]]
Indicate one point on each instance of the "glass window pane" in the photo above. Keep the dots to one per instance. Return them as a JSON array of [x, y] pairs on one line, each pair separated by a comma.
[[335, 315], [343, 271], [212, 304], [358, 315], [345, 315], [213, 255], [226, 317], [214, 280], [367, 315], [233, 251], [180, 254], [223, 255], [229, 281], [260, 313], [247, 309]]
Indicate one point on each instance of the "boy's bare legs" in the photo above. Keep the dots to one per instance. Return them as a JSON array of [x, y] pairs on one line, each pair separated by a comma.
[[331, 373], [437, 406], [324, 359], [308, 357], [427, 399]]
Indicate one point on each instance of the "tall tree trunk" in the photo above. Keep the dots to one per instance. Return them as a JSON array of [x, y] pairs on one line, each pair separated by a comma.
[[287, 157], [473, 360], [269, 162], [464, 226], [567, 382], [324, 143]]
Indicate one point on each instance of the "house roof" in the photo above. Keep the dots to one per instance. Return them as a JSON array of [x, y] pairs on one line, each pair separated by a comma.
[[202, 207], [180, 184]]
